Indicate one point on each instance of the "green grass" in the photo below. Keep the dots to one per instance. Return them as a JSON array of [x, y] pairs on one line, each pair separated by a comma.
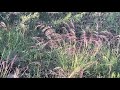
[[37, 62], [104, 64]]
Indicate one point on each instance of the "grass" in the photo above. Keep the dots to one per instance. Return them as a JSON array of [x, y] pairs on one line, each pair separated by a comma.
[[23, 56], [82, 64]]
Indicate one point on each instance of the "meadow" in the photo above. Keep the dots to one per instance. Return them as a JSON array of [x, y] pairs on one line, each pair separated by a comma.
[[59, 45]]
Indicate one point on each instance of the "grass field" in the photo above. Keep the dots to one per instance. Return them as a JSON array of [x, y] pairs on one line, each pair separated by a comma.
[[75, 45]]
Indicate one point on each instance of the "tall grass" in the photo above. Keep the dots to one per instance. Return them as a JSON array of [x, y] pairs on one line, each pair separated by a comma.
[[76, 52]]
